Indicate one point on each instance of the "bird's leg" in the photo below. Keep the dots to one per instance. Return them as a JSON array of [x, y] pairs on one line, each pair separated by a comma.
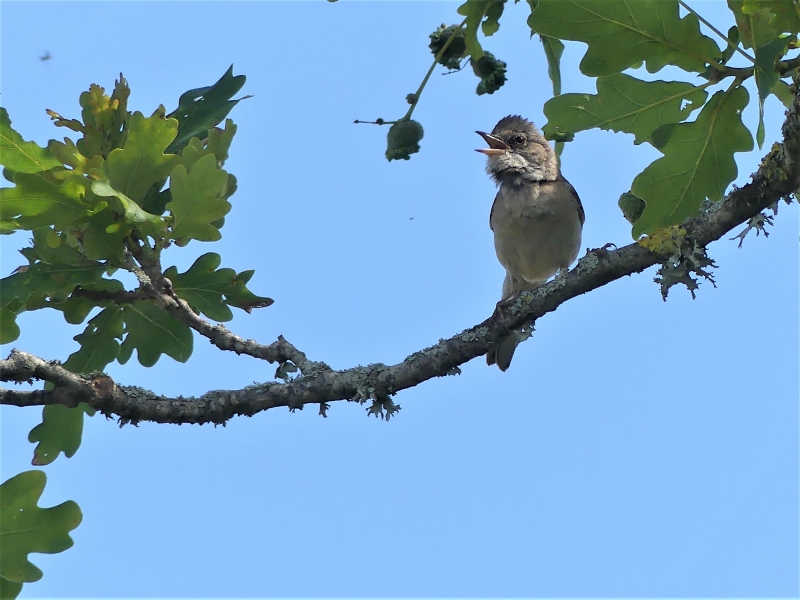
[[503, 307]]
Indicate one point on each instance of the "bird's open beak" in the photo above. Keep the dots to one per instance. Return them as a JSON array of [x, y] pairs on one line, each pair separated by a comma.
[[496, 145]]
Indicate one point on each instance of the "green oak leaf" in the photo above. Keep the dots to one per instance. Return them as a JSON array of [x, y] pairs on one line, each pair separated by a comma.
[[76, 308], [129, 210], [99, 342], [210, 290], [9, 330], [67, 152], [192, 152], [153, 332], [230, 189], [480, 13], [8, 226], [196, 201], [61, 430], [786, 13], [217, 142], [104, 118], [783, 92], [754, 22], [43, 251], [553, 49], [730, 49], [623, 104], [26, 527], [766, 77], [101, 237], [202, 108], [621, 34], [491, 24], [156, 199], [132, 169], [43, 280], [9, 589], [697, 164], [20, 156], [754, 27], [36, 201], [631, 206], [220, 140], [241, 297]]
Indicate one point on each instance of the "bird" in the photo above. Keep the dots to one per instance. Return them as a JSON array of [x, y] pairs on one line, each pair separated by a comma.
[[537, 217]]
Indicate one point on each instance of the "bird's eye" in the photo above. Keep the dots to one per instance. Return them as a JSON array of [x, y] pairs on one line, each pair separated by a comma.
[[518, 140]]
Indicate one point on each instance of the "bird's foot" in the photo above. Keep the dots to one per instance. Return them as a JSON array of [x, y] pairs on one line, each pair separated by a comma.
[[503, 308], [606, 248]]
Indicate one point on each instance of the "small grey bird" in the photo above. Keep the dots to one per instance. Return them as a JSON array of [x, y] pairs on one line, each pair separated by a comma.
[[537, 217]]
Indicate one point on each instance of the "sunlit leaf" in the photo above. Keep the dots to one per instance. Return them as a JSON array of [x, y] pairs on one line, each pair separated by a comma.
[[37, 201], [131, 170], [196, 201], [129, 210], [20, 156]]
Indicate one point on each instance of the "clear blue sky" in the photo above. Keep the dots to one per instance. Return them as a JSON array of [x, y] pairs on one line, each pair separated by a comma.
[[634, 448]]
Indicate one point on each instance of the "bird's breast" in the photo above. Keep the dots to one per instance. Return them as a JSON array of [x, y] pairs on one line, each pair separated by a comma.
[[537, 229]]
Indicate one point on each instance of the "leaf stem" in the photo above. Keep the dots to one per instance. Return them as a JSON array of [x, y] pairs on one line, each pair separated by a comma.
[[418, 93], [717, 31]]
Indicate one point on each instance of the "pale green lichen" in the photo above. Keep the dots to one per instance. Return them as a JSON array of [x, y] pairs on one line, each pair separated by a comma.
[[384, 408], [474, 335], [680, 267], [588, 263], [560, 279], [664, 241], [759, 223]]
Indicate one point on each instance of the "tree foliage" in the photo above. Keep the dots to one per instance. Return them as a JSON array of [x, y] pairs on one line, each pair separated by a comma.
[[126, 186]]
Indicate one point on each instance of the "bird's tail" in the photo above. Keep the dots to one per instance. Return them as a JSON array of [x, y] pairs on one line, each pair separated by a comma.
[[502, 351]]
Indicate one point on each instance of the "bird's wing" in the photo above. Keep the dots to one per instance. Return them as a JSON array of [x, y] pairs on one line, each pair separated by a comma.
[[491, 212], [581, 213]]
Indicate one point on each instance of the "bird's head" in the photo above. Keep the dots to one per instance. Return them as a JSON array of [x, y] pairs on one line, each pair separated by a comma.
[[518, 151]]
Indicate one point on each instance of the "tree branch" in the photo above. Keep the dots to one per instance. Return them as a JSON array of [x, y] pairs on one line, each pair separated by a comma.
[[154, 286], [777, 177]]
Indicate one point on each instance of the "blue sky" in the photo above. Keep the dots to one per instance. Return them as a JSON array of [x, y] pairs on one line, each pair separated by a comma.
[[634, 448]]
